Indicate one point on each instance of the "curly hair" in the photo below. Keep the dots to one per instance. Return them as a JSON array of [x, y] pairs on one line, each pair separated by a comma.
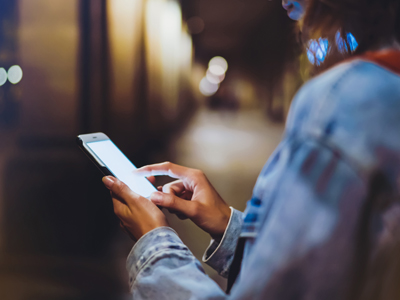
[[374, 23]]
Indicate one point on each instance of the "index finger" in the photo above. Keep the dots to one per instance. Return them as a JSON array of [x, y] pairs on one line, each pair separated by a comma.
[[165, 168]]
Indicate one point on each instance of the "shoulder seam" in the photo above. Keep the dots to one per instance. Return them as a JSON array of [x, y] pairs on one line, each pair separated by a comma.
[[360, 172]]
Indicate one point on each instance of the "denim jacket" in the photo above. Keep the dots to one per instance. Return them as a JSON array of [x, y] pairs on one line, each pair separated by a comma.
[[312, 227]]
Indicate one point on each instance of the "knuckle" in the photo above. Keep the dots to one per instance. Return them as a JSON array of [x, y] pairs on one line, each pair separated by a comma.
[[167, 164], [198, 173]]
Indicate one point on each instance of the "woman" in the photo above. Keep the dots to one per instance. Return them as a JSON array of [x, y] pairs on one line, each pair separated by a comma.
[[323, 222]]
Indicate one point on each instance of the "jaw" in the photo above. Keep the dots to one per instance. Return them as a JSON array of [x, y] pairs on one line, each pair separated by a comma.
[[295, 14], [295, 9]]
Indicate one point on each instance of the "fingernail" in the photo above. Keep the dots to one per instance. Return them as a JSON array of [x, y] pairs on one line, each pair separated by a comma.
[[108, 181], [156, 197]]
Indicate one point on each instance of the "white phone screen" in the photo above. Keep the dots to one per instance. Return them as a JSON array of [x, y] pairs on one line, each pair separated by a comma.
[[121, 167]]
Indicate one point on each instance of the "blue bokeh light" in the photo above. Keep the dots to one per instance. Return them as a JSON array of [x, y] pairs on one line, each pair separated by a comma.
[[318, 49], [352, 42]]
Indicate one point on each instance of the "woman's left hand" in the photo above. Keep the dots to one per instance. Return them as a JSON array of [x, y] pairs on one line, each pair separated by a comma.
[[137, 214]]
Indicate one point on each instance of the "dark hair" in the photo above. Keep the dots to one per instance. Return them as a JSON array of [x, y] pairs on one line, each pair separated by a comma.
[[372, 22]]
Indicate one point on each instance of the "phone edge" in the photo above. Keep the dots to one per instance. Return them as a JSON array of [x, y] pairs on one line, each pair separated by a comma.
[[104, 170]]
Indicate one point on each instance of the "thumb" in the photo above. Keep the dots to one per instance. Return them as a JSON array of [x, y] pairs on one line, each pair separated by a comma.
[[118, 188], [173, 202]]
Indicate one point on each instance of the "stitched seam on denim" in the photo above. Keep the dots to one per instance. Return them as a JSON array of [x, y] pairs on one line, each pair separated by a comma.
[[275, 191], [361, 174], [162, 247], [303, 139], [152, 232], [159, 254], [307, 131], [253, 234]]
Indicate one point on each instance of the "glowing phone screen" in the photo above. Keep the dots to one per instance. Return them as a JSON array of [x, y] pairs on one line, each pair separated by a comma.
[[121, 167]]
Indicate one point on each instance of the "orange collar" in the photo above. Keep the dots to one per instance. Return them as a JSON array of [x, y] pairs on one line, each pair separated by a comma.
[[389, 59]]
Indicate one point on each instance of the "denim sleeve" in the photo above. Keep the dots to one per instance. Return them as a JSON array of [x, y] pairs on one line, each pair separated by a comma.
[[219, 254], [308, 226], [161, 267]]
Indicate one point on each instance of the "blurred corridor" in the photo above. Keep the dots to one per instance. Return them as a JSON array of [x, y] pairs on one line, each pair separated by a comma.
[[139, 70]]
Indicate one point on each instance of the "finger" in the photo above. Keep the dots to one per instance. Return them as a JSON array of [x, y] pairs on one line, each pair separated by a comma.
[[122, 193], [159, 188], [175, 187], [165, 168], [170, 201], [152, 179], [117, 188]]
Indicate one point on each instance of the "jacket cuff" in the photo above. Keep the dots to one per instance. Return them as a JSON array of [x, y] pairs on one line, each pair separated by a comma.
[[152, 244], [219, 255]]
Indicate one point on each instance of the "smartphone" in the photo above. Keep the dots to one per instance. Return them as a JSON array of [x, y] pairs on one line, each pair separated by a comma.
[[111, 161]]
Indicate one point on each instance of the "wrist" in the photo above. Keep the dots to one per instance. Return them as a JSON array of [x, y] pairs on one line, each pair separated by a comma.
[[223, 224], [136, 232]]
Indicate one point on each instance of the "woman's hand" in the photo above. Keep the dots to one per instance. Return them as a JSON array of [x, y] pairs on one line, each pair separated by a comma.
[[137, 214], [192, 196]]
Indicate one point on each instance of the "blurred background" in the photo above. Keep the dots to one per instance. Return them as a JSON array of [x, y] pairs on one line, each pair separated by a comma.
[[203, 83]]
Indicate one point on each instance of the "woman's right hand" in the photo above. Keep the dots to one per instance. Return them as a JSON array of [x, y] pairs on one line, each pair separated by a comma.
[[192, 196]]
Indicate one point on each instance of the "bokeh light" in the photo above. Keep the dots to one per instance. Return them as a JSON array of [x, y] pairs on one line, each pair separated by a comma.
[[214, 78], [318, 49], [216, 70], [15, 74], [341, 43], [3, 76], [207, 88], [218, 63]]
